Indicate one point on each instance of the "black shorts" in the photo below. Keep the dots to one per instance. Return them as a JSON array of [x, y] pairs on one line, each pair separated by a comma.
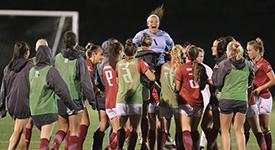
[[233, 106], [40, 120], [18, 109], [63, 110], [100, 103]]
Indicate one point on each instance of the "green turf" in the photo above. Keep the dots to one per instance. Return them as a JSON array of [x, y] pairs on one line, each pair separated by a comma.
[[6, 127]]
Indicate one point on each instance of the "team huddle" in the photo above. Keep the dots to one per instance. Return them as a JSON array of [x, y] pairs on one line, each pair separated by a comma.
[[136, 88]]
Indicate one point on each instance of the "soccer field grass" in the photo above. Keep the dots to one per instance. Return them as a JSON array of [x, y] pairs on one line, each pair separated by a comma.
[[7, 124]]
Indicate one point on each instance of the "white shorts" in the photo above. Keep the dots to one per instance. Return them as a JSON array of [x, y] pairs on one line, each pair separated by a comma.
[[152, 107], [264, 105], [252, 111], [128, 109], [167, 112], [206, 96], [111, 113], [188, 110]]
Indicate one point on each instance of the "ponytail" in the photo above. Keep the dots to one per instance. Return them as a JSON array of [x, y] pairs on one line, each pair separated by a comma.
[[91, 48], [176, 55], [130, 48], [198, 70], [235, 49], [114, 52], [19, 51], [258, 45]]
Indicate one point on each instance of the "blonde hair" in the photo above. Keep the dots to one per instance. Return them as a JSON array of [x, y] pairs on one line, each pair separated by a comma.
[[153, 15], [235, 50], [158, 13], [201, 50], [258, 45], [176, 54], [40, 42], [91, 48]]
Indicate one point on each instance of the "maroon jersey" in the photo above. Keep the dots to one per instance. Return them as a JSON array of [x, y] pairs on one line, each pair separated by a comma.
[[261, 68], [109, 78], [190, 91]]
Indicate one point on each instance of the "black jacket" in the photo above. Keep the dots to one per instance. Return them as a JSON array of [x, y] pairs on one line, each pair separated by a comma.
[[15, 89]]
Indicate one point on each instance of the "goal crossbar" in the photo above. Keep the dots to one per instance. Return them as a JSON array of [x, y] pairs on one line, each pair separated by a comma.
[[43, 13]]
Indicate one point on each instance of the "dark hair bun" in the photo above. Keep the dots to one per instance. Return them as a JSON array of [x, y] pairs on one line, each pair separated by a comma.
[[129, 42]]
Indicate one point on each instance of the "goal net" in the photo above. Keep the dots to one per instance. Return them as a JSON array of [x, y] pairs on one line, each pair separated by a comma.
[[31, 25]]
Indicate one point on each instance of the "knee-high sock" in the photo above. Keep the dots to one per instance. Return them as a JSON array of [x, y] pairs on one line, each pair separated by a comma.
[[59, 137], [28, 136], [66, 142], [187, 140], [127, 133], [113, 141], [81, 136], [132, 140], [178, 139], [152, 139], [196, 139], [268, 140], [144, 129], [159, 139], [121, 138], [44, 144], [212, 141], [247, 135], [98, 140], [261, 140], [207, 133], [72, 142]]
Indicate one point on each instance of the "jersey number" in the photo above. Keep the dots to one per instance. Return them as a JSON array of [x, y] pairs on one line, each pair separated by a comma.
[[109, 76], [193, 84], [127, 77]]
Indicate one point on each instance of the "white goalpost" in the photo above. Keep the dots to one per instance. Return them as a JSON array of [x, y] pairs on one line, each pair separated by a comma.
[[62, 15]]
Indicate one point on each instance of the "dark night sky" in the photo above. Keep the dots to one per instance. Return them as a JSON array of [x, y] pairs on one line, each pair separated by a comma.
[[196, 21]]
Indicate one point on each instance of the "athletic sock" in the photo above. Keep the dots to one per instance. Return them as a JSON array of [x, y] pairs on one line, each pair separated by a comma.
[[144, 129], [28, 136], [113, 141], [66, 142], [72, 142], [212, 142], [195, 139], [187, 140], [132, 140], [152, 139], [268, 140], [81, 136], [98, 140], [121, 138], [178, 139], [127, 133], [261, 141], [59, 137], [159, 139], [44, 144], [246, 134]]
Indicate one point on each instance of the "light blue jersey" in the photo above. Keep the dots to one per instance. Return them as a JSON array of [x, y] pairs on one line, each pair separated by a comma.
[[161, 41]]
